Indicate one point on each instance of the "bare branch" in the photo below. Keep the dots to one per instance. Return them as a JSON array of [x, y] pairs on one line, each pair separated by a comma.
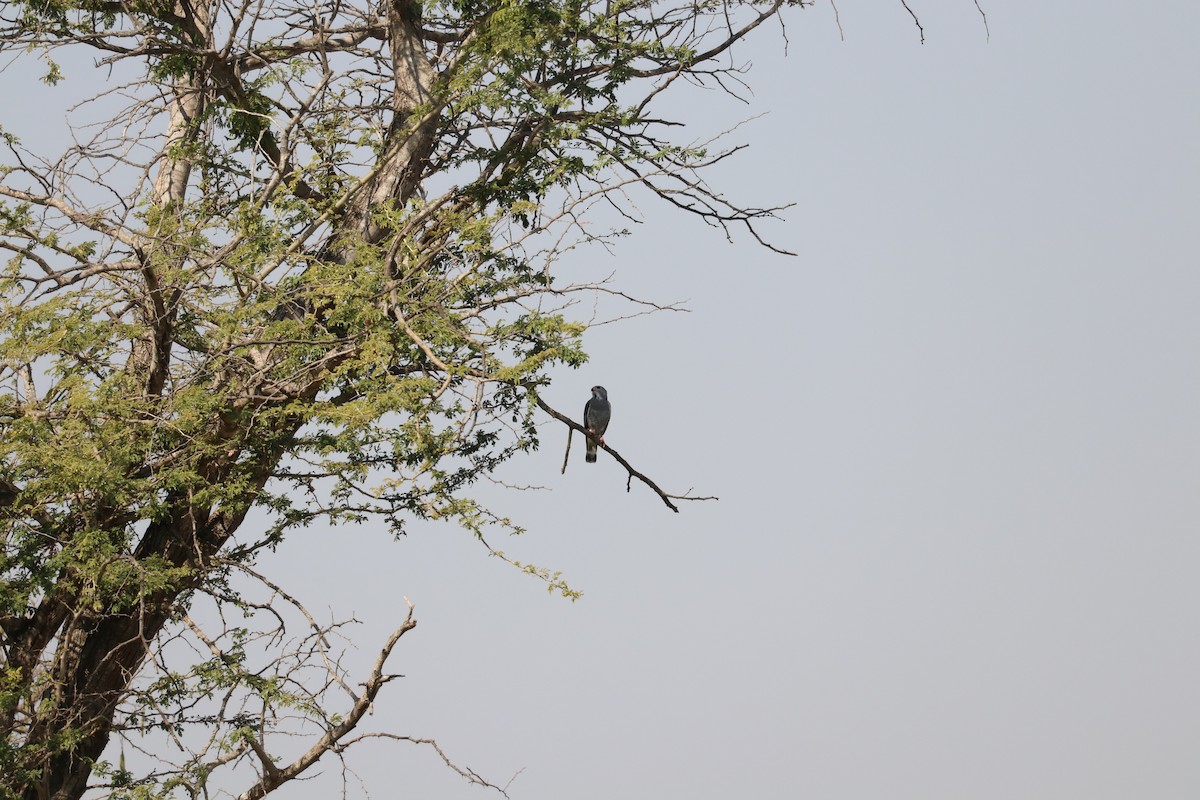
[[332, 738], [633, 473], [986, 29], [916, 21]]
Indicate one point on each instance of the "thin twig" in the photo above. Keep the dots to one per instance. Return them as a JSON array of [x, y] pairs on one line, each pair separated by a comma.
[[986, 29], [920, 27], [837, 18]]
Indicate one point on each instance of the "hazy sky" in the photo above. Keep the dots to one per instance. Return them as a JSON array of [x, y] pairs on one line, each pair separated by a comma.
[[956, 441]]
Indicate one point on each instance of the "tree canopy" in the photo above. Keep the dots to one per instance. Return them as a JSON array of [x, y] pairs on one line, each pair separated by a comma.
[[299, 258]]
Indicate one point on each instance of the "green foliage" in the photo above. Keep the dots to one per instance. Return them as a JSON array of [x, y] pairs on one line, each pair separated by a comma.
[[324, 293]]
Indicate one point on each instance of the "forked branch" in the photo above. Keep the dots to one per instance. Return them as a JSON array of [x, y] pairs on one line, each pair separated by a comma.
[[332, 740]]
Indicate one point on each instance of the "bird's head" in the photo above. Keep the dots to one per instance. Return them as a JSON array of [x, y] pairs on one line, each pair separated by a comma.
[[600, 392]]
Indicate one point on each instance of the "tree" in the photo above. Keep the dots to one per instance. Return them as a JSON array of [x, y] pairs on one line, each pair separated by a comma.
[[299, 259]]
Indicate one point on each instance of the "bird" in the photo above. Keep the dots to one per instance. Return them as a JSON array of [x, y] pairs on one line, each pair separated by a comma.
[[596, 415]]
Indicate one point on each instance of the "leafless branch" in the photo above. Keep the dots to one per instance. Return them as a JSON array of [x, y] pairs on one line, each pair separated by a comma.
[[332, 739], [837, 18], [633, 473], [986, 29], [917, 21]]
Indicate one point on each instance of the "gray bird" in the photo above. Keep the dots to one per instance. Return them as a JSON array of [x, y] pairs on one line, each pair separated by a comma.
[[596, 415]]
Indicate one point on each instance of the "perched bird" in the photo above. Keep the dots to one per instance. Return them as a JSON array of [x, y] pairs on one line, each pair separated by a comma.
[[596, 415]]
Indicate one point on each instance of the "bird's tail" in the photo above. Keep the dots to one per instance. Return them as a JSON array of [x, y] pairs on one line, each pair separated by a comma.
[[591, 452]]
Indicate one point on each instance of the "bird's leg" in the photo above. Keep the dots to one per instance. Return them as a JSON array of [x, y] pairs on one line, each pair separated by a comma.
[[598, 437]]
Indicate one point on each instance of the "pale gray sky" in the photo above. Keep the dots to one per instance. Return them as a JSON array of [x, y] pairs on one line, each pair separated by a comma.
[[956, 442]]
